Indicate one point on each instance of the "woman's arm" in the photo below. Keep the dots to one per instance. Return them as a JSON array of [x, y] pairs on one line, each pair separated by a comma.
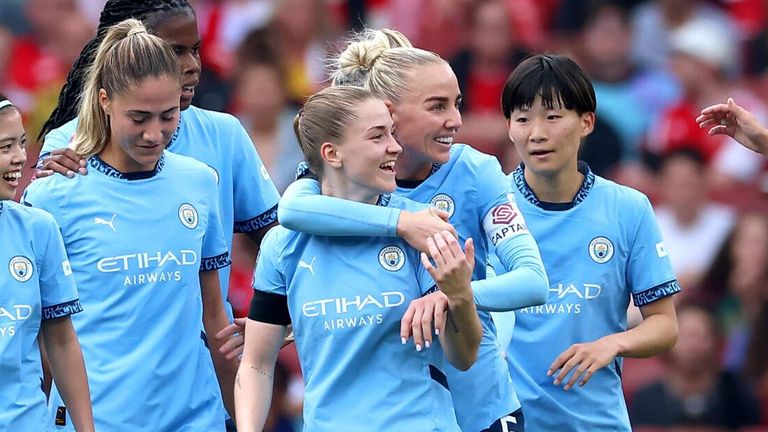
[[214, 320], [253, 388], [655, 334], [738, 123], [68, 369], [302, 208]]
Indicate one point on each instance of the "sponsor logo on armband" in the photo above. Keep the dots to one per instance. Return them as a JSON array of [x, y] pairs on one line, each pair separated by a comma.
[[661, 250], [504, 222], [66, 267]]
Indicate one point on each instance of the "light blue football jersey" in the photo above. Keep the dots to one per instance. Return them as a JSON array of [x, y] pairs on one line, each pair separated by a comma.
[[137, 243], [247, 196], [599, 250], [479, 199], [346, 297], [36, 284]]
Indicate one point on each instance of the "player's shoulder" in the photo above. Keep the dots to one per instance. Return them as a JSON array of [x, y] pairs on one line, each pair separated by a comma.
[[279, 241], [217, 119], [60, 137], [466, 155], [28, 216], [190, 167], [621, 195]]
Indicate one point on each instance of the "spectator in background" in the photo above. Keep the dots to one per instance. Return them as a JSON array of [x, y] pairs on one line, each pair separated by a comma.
[[654, 21], [491, 53], [756, 364], [735, 284], [687, 217], [702, 54], [261, 103], [697, 392], [630, 96]]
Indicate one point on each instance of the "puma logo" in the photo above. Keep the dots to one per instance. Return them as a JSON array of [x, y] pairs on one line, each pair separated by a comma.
[[302, 264], [110, 223]]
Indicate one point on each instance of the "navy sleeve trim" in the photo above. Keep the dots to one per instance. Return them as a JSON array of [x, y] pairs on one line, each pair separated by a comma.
[[257, 223], [269, 308], [651, 295], [431, 290], [62, 309], [215, 263]]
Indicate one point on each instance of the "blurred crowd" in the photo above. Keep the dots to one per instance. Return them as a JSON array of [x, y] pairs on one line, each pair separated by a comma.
[[655, 64]]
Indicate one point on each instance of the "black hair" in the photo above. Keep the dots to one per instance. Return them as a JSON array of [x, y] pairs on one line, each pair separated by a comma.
[[557, 79], [114, 11]]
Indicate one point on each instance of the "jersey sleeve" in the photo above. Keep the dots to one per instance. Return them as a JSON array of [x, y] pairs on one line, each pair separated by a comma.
[[522, 281], [215, 254], [270, 302], [255, 196], [58, 294], [58, 138], [649, 271], [37, 195], [427, 285], [304, 209]]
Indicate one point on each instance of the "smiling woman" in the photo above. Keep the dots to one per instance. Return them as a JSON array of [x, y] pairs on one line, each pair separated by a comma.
[[38, 296]]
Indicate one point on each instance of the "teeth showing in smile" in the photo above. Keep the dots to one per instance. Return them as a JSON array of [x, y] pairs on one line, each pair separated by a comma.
[[187, 88], [445, 140], [388, 165], [12, 176]]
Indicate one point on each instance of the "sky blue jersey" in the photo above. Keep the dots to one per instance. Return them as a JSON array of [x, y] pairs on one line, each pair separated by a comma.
[[36, 284], [478, 197], [599, 250], [247, 196], [137, 243], [346, 297]]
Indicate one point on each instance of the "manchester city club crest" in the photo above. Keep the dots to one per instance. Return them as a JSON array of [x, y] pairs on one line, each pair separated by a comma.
[[601, 250], [443, 202], [392, 258], [21, 268], [188, 216]]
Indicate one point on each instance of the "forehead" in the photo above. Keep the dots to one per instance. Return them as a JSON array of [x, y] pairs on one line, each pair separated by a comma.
[[176, 27], [10, 123], [163, 92], [372, 113], [431, 80]]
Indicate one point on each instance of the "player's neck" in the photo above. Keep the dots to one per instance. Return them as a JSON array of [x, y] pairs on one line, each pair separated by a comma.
[[337, 187], [560, 187]]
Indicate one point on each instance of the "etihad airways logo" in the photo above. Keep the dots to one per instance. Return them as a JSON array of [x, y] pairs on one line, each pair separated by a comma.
[[343, 305], [567, 299], [10, 316], [145, 260]]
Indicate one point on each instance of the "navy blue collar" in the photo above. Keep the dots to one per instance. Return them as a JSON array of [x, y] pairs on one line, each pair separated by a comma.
[[175, 133], [527, 193], [108, 170]]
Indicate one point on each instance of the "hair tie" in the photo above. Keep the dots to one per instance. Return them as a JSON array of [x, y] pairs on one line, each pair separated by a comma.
[[135, 31], [6, 103]]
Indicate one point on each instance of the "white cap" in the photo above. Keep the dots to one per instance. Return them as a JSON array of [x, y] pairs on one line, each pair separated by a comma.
[[706, 40]]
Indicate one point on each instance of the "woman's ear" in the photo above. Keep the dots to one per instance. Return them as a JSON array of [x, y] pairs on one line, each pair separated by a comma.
[[587, 123], [331, 154], [104, 102]]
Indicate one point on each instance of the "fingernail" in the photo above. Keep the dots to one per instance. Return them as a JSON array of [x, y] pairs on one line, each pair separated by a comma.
[[557, 382], [70, 174], [82, 162], [566, 387], [402, 340], [549, 373], [82, 171], [437, 332], [426, 344], [418, 347]]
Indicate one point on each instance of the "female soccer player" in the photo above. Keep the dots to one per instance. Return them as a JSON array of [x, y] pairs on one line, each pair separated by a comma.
[[38, 295], [144, 235], [600, 244], [247, 197], [345, 296], [423, 97]]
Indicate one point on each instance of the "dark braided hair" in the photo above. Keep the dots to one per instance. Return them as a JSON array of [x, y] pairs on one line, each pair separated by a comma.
[[114, 12]]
